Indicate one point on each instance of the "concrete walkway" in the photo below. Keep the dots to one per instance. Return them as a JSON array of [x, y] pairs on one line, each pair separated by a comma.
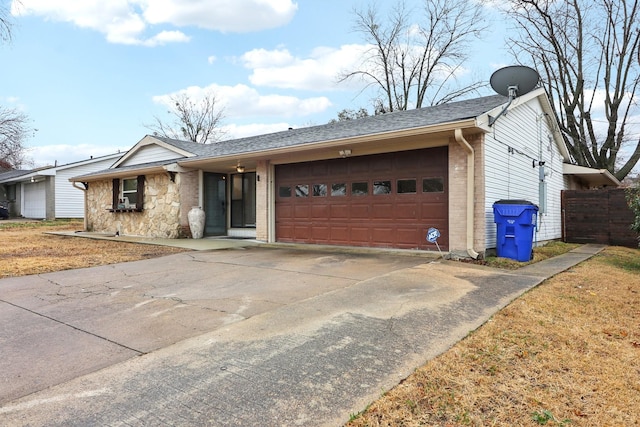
[[241, 337]]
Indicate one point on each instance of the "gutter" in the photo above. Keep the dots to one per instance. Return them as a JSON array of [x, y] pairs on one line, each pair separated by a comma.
[[327, 144], [120, 173], [470, 190]]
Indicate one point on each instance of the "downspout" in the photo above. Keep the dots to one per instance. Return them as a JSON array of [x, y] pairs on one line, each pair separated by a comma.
[[470, 190], [84, 190]]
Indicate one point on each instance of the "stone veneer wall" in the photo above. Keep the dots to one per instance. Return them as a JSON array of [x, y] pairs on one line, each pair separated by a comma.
[[160, 216]]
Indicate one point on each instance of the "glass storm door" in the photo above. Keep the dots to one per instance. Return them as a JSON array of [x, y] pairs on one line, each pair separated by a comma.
[[215, 204]]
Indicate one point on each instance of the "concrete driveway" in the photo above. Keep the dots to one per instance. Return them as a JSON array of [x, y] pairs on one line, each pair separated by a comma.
[[251, 336]]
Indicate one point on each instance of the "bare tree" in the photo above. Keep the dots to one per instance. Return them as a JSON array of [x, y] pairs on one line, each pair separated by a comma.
[[414, 64], [197, 121], [348, 114], [14, 129], [5, 24], [586, 52], [14, 124]]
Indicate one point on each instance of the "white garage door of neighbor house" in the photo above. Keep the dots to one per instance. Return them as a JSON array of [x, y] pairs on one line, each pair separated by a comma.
[[35, 200]]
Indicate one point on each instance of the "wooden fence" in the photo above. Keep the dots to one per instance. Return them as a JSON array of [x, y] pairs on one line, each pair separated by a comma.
[[597, 216]]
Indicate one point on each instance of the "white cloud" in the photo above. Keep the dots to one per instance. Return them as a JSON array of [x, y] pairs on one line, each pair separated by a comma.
[[319, 71], [260, 58], [211, 59], [165, 37], [221, 15], [126, 21], [243, 101]]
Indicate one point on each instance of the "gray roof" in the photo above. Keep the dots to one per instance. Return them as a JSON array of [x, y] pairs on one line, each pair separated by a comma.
[[390, 122], [189, 146], [13, 174]]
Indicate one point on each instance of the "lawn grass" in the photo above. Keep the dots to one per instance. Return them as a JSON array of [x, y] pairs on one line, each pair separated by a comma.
[[566, 353], [540, 253], [27, 249]]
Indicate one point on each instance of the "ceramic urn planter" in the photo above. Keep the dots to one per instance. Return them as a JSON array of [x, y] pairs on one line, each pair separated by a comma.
[[196, 218]]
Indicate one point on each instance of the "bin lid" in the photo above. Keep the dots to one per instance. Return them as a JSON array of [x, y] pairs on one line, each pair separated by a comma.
[[514, 202]]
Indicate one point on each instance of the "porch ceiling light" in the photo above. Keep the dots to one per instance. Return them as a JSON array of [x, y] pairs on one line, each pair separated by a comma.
[[240, 168]]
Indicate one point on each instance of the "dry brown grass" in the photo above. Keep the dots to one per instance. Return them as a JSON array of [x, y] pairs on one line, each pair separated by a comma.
[[566, 353], [26, 249]]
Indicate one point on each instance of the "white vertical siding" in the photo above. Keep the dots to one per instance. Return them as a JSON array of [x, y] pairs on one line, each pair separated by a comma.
[[70, 200], [151, 153], [510, 174]]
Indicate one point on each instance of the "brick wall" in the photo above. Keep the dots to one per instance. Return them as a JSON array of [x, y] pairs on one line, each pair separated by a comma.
[[262, 200], [189, 184], [458, 196]]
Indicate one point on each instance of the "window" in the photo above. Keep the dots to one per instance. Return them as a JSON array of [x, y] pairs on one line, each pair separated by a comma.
[[359, 188], [128, 194], [319, 190], [432, 185], [284, 191], [381, 187], [129, 197], [338, 189], [406, 186], [302, 190]]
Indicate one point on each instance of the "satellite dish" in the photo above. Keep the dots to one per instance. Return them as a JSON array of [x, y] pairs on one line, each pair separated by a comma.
[[515, 78], [513, 81]]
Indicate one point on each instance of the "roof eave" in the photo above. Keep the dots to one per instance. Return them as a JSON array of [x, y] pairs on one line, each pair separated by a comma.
[[594, 177], [470, 123], [119, 173], [151, 140]]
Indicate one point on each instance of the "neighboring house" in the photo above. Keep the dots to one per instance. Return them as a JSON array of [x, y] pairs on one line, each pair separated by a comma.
[[46, 193], [379, 181]]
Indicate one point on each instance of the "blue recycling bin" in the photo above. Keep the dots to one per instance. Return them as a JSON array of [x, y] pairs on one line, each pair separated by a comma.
[[516, 221]]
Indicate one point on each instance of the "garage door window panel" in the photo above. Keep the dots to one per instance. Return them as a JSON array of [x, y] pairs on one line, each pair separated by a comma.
[[406, 186], [319, 190], [302, 190], [381, 187], [360, 189], [339, 189], [284, 191], [433, 185]]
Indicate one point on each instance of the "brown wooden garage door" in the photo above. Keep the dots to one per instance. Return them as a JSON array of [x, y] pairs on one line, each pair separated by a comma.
[[385, 200]]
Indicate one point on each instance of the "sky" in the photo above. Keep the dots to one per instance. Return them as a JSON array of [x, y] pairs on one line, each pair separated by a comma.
[[91, 74]]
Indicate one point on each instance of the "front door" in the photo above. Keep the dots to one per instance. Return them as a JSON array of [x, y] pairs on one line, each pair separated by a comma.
[[215, 204]]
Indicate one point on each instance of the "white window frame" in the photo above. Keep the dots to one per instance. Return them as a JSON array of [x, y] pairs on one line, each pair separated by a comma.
[[124, 193]]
